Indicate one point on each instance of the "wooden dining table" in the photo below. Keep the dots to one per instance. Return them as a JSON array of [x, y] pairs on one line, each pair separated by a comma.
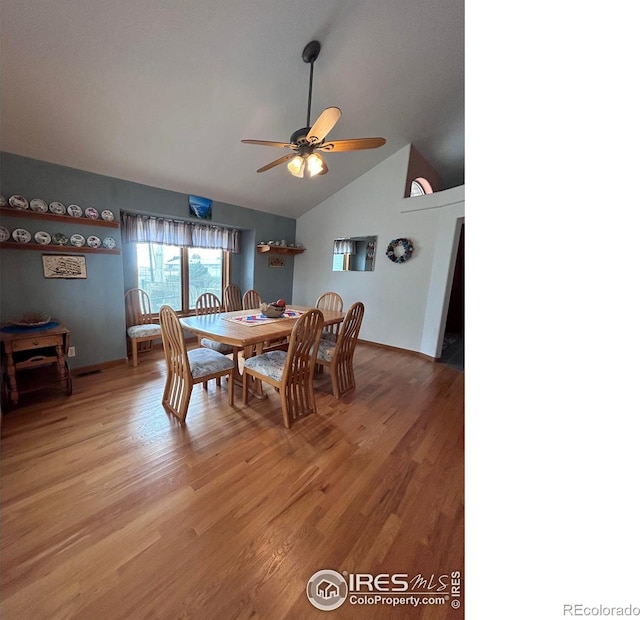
[[249, 338]]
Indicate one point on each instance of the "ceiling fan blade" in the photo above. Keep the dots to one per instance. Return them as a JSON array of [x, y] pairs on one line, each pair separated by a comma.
[[325, 123], [277, 162], [284, 145], [354, 144]]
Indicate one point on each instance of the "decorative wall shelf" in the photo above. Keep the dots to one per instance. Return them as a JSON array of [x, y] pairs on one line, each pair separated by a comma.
[[53, 217], [63, 249], [279, 249], [56, 218]]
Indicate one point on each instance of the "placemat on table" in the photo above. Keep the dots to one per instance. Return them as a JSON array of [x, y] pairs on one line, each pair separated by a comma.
[[257, 318]]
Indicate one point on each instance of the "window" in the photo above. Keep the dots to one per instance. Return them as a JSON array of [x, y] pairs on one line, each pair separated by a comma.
[[420, 187], [177, 276]]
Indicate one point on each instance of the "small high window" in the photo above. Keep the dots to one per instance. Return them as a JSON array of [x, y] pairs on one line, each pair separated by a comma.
[[420, 187]]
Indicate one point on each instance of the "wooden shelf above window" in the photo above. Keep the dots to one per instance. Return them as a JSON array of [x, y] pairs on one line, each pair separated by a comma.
[[278, 249]]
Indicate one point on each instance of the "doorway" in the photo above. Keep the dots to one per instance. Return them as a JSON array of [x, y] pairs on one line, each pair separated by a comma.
[[453, 342]]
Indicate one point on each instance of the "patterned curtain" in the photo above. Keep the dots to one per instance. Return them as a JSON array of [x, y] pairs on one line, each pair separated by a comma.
[[344, 246], [141, 228]]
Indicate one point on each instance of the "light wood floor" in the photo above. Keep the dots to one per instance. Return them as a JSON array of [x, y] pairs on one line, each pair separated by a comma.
[[111, 509]]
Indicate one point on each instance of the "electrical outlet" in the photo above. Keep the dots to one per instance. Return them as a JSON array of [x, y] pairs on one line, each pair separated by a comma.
[[72, 352]]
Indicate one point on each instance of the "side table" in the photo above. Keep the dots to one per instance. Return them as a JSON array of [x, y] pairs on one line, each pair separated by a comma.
[[34, 358]]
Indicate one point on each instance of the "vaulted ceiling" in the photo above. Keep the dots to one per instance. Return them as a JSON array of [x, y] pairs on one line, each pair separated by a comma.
[[161, 92]]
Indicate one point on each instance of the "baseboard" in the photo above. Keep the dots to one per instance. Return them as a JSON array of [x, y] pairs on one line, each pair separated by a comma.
[[389, 347], [93, 368]]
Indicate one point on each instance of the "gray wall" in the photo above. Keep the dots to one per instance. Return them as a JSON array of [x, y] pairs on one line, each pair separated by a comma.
[[406, 304], [93, 309]]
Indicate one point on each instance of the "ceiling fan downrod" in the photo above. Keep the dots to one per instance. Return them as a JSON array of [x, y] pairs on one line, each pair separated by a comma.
[[309, 55]]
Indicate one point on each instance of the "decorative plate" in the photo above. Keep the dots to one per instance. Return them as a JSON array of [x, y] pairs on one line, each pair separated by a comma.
[[58, 208], [77, 240], [59, 239], [93, 241], [32, 319], [42, 237], [109, 243], [107, 215], [91, 213], [74, 211], [3, 201], [18, 202], [21, 235], [38, 205], [4, 233]]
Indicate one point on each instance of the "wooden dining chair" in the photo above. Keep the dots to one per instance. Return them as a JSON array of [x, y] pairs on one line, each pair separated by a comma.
[[338, 356], [251, 300], [186, 368], [209, 303], [330, 301], [141, 326], [232, 298], [291, 371]]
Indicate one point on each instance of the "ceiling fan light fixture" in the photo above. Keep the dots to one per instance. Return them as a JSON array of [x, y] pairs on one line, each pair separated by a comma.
[[315, 164], [305, 141], [296, 166]]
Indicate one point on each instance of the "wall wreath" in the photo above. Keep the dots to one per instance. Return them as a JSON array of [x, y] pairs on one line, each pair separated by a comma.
[[400, 250]]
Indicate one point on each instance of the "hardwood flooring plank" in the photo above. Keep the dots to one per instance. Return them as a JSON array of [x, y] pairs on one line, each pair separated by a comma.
[[112, 509]]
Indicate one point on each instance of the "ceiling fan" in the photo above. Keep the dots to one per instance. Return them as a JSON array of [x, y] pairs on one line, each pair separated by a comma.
[[306, 142]]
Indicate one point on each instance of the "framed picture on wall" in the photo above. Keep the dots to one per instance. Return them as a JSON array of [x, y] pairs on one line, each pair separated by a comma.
[[276, 261], [200, 207], [64, 266]]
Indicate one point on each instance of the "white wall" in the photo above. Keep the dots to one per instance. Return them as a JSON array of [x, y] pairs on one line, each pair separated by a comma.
[[404, 303]]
